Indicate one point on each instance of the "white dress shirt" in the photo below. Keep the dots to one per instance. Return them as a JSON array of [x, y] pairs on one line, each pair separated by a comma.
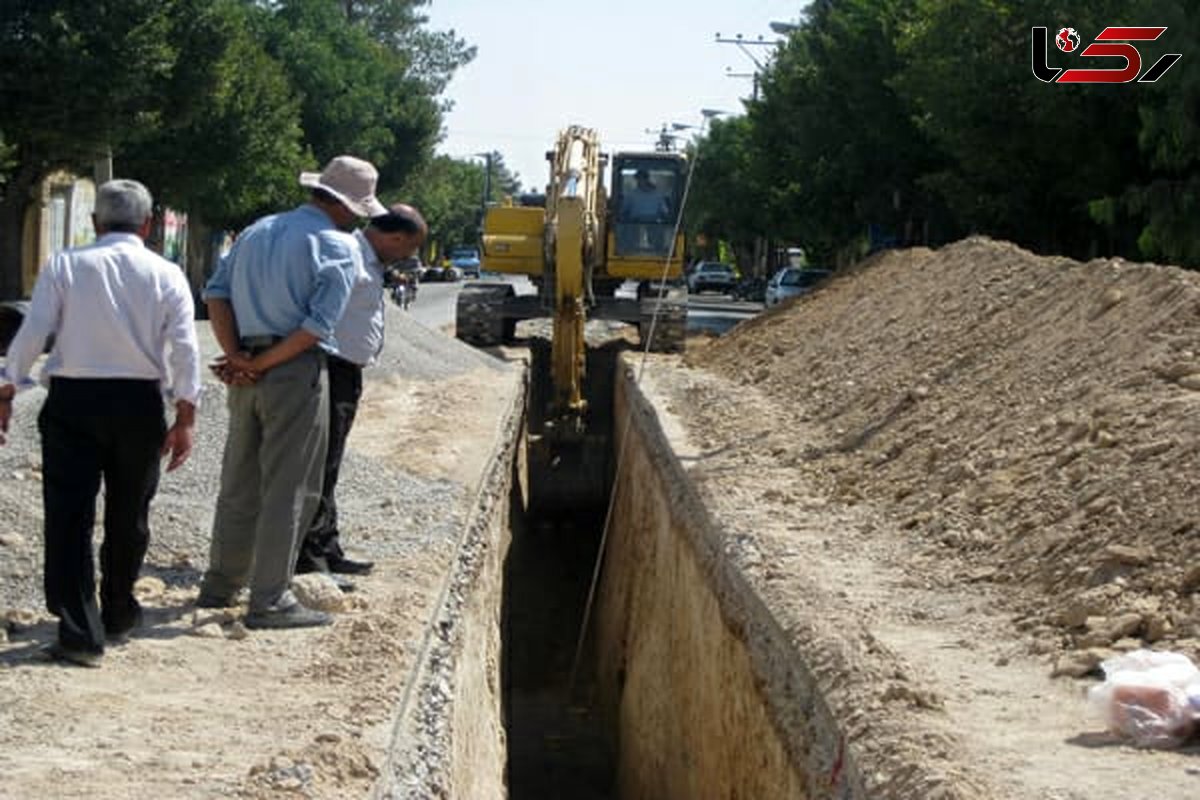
[[117, 310], [359, 333]]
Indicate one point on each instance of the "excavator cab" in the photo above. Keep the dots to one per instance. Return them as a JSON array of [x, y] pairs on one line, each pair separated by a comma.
[[647, 192]]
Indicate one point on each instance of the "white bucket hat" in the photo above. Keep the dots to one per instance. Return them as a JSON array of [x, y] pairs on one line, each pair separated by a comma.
[[352, 181]]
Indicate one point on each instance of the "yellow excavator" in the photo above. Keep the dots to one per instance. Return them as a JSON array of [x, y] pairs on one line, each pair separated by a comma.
[[578, 247]]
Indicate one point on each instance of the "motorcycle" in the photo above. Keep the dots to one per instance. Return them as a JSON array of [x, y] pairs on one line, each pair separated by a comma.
[[403, 288]]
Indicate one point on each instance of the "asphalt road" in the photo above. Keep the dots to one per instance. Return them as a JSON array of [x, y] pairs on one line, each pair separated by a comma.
[[717, 313], [434, 307]]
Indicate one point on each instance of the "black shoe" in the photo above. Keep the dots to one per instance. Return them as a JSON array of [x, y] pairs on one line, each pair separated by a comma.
[[348, 566], [120, 634], [71, 655], [294, 616], [306, 564]]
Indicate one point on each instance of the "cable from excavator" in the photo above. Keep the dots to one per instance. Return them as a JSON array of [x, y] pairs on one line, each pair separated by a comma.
[[647, 347]]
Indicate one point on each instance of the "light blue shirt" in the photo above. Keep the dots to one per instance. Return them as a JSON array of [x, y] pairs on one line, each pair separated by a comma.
[[360, 333], [288, 272]]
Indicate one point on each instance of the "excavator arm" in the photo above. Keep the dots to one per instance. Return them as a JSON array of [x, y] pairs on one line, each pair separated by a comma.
[[572, 221], [577, 256]]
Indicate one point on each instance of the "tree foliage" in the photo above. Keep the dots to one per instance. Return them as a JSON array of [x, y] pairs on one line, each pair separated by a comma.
[[231, 144], [724, 187], [918, 121], [216, 104], [450, 194]]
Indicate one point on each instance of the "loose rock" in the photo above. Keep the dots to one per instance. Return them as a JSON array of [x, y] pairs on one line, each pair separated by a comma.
[[318, 591], [149, 587], [1078, 664], [11, 540], [209, 631], [1191, 581]]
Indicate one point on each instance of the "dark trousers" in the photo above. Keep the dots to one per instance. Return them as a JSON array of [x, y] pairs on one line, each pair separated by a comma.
[[93, 429], [321, 543]]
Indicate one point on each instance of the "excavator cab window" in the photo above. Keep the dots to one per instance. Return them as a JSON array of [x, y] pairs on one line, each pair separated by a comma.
[[646, 204]]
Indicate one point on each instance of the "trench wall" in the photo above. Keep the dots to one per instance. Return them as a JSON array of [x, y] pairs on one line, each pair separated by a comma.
[[704, 694], [448, 736]]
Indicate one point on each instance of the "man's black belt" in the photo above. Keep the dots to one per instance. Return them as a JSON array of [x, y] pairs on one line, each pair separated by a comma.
[[254, 344]]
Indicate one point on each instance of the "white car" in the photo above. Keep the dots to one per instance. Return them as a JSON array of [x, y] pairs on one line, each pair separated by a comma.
[[793, 282], [711, 276]]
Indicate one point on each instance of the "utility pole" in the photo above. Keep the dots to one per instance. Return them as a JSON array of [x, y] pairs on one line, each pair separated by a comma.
[[744, 45], [487, 180], [753, 76], [665, 143], [487, 192]]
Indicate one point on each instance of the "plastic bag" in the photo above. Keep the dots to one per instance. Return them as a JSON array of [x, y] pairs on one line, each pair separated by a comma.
[[1151, 698]]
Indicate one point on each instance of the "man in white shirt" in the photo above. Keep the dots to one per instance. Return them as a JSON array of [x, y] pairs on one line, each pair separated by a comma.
[[122, 321], [389, 238]]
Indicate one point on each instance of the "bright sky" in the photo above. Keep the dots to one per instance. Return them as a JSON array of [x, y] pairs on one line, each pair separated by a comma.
[[620, 66]]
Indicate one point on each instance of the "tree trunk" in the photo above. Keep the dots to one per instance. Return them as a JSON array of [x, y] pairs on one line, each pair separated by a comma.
[[13, 203], [200, 260]]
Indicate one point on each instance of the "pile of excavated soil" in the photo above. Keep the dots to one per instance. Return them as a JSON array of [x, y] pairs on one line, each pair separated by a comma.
[[1030, 423]]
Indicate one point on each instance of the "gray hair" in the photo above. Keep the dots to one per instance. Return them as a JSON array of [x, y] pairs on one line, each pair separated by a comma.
[[122, 205]]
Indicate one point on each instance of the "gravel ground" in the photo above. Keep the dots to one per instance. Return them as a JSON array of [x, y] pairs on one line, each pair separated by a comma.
[[386, 511], [195, 705]]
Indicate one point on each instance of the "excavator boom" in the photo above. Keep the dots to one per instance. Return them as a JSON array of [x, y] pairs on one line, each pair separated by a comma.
[[578, 249]]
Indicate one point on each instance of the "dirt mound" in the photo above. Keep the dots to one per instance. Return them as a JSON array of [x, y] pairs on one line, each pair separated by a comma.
[[1031, 421]]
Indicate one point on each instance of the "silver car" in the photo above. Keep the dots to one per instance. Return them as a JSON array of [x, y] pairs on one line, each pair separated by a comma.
[[793, 282], [711, 276]]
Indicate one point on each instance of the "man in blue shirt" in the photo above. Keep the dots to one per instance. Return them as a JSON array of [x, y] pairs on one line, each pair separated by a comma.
[[274, 302]]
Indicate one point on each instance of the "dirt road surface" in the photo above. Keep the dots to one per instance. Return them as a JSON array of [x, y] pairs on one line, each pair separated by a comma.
[[197, 707]]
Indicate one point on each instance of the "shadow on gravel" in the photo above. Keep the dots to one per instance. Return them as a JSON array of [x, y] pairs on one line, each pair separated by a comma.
[[29, 645], [174, 577], [158, 620], [1098, 740]]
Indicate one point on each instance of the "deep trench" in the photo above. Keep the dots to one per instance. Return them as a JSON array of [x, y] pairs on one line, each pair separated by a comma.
[[557, 744]]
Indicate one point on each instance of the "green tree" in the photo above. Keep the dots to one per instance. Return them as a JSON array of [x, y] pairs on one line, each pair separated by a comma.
[[215, 104], [227, 144], [1165, 198], [503, 181], [76, 78], [727, 195], [449, 192], [431, 56], [836, 138], [368, 80], [1025, 160]]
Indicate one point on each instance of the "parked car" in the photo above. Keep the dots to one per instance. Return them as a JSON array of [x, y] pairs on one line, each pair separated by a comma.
[[709, 276], [443, 273], [466, 260], [793, 282], [752, 290]]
